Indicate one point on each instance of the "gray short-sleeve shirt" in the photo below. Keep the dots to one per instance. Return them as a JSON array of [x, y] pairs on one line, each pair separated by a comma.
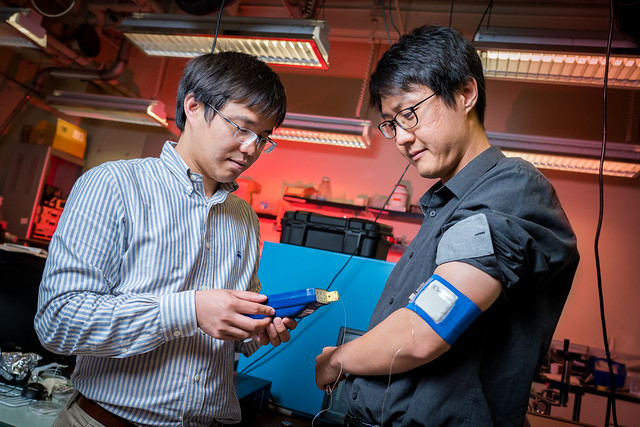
[[503, 216]]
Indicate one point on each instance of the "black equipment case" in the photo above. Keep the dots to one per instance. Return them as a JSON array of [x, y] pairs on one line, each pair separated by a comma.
[[353, 236]]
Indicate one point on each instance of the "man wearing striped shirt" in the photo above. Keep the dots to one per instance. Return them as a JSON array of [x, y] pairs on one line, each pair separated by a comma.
[[154, 263]]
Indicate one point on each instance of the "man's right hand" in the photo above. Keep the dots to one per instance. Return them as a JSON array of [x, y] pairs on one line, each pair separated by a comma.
[[221, 313]]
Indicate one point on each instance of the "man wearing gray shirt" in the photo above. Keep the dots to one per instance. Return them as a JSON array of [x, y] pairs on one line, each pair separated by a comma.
[[469, 310]]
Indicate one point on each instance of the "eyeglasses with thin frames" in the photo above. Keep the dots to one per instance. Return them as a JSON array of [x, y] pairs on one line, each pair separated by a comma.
[[405, 118], [246, 136]]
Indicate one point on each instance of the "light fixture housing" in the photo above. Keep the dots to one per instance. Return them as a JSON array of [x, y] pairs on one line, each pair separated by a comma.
[[21, 28], [557, 56], [328, 130], [286, 42], [573, 155], [148, 112]]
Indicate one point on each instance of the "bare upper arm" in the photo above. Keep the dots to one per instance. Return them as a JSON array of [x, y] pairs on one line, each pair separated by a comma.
[[475, 284]]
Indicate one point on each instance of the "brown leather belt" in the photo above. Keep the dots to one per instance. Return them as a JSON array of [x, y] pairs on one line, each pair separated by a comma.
[[100, 414]]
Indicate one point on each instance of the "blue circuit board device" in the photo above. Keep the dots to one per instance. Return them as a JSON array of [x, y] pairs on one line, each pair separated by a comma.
[[299, 303]]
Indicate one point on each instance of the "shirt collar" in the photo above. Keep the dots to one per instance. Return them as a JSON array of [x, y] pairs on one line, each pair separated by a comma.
[[178, 168], [460, 183], [478, 166]]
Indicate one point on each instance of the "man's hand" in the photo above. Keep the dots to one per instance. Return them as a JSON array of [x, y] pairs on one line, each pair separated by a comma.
[[221, 313], [277, 331], [328, 372]]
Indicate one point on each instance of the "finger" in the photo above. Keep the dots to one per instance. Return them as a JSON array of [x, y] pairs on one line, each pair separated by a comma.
[[250, 307], [249, 296], [281, 330], [262, 337], [290, 323], [247, 325], [274, 338]]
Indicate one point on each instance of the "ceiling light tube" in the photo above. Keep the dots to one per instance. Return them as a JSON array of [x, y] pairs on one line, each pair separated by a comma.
[[571, 155], [113, 108], [26, 22], [557, 56], [324, 130], [287, 42]]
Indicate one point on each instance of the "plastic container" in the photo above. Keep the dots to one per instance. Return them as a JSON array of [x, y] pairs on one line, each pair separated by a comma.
[[324, 189], [346, 235], [399, 199]]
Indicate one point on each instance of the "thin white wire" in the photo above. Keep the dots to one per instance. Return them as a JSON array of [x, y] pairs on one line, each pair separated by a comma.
[[329, 390], [388, 385]]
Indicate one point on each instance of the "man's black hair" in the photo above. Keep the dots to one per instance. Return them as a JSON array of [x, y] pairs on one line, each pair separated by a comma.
[[218, 78], [437, 57]]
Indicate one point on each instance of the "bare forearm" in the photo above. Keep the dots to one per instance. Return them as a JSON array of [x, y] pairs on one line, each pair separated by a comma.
[[392, 346]]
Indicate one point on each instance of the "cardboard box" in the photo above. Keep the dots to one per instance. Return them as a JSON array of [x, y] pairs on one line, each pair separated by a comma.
[[63, 136]]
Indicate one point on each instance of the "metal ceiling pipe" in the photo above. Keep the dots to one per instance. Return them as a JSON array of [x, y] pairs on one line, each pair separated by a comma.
[[71, 73], [84, 74]]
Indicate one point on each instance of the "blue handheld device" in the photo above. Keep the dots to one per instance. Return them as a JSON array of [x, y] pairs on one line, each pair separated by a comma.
[[298, 304]]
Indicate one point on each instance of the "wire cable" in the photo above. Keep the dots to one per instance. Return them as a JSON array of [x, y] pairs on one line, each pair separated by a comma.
[[451, 14], [600, 217], [487, 9], [386, 25], [375, 222], [215, 37], [391, 19]]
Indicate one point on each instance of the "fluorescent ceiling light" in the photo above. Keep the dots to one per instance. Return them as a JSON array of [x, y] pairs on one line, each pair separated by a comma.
[[324, 130], [288, 42], [21, 21], [571, 155], [114, 108], [557, 56]]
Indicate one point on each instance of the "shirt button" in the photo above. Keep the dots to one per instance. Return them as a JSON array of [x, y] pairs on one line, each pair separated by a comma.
[[125, 350], [177, 333], [193, 177], [354, 395], [410, 255], [390, 301], [196, 378], [208, 245], [432, 214]]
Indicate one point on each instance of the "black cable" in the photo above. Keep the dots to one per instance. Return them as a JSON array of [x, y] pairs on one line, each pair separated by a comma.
[[300, 331], [215, 37], [358, 248], [384, 18], [374, 222], [487, 9], [612, 398], [451, 14], [391, 20]]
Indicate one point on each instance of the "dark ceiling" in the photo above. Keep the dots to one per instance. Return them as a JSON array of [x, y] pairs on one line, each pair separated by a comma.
[[358, 35]]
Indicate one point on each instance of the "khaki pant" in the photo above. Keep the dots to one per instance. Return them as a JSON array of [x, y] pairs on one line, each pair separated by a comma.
[[72, 415]]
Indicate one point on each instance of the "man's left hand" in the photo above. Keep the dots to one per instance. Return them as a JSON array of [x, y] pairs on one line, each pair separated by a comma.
[[277, 331]]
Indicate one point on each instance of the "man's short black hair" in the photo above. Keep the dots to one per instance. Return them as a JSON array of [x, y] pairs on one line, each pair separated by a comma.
[[437, 57], [218, 78]]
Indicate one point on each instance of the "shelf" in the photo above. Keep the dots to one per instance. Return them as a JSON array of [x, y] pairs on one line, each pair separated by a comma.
[[384, 213], [297, 199], [398, 215]]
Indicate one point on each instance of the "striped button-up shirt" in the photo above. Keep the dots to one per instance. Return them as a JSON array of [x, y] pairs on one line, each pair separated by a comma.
[[136, 239]]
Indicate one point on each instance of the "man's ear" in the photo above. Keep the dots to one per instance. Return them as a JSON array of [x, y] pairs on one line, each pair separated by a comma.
[[192, 108], [470, 94]]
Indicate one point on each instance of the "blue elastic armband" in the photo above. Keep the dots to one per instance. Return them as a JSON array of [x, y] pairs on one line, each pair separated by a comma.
[[447, 310]]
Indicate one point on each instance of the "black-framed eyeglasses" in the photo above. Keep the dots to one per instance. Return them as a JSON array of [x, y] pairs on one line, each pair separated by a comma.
[[405, 118], [246, 136]]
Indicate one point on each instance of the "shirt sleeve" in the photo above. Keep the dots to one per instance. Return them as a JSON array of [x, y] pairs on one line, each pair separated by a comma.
[[81, 310], [520, 231]]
